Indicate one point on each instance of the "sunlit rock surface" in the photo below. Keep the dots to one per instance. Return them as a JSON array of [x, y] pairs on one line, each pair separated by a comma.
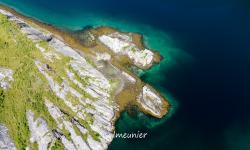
[[122, 44], [5, 77], [151, 101], [5, 141], [40, 133]]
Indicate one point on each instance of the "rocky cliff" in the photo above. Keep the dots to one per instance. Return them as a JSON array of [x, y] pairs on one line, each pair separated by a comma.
[[59, 97]]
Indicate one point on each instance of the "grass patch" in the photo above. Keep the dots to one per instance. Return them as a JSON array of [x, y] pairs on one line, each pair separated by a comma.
[[57, 145]]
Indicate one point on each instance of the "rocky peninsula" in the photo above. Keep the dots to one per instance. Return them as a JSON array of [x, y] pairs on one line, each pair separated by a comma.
[[60, 91]]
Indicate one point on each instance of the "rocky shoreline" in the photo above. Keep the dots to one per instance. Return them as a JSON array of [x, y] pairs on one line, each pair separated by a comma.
[[99, 72], [119, 43]]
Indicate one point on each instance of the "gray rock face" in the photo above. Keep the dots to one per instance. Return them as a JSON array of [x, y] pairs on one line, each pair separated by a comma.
[[35, 34], [5, 141]]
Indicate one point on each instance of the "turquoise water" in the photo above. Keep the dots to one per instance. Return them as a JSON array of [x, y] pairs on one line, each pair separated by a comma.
[[205, 72]]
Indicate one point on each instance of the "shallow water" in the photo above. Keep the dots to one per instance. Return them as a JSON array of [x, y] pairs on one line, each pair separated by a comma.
[[205, 72]]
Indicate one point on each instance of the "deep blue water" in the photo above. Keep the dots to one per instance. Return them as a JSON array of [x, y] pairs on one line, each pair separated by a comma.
[[206, 70]]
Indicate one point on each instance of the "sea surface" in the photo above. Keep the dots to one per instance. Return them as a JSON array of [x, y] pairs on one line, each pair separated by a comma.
[[205, 72]]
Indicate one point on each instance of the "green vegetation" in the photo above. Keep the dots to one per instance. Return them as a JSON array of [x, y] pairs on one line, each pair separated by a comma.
[[34, 146], [90, 61], [44, 44], [2, 96], [57, 145], [133, 49], [126, 47]]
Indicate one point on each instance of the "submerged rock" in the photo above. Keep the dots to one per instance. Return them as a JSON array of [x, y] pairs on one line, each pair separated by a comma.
[[86, 37]]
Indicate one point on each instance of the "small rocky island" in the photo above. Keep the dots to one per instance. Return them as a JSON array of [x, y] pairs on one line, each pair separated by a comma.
[[62, 92]]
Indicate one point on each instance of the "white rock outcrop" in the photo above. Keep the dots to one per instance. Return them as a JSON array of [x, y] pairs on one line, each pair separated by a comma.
[[5, 141], [6, 76], [122, 44], [150, 101], [39, 131]]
